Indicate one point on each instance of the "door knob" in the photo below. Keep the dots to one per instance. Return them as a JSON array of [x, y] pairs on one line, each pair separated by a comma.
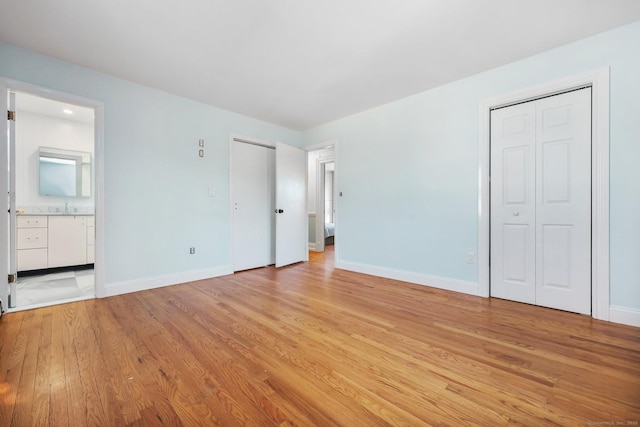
[[279, 211], [516, 213]]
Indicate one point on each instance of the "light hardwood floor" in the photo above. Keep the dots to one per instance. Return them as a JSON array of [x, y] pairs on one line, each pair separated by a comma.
[[309, 345]]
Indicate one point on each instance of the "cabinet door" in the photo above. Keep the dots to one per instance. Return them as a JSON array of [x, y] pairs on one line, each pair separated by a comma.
[[29, 221], [67, 241], [32, 238], [32, 259]]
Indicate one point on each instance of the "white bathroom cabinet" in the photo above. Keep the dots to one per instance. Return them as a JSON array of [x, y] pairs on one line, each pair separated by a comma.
[[50, 241], [67, 241], [91, 239], [32, 243]]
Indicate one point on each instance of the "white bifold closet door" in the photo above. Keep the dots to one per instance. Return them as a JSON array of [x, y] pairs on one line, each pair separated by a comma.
[[269, 205], [541, 202], [253, 206]]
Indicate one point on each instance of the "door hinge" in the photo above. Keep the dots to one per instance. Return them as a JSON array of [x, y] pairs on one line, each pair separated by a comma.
[[12, 278], [11, 115]]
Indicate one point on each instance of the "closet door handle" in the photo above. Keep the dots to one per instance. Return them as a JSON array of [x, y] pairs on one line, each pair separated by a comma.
[[279, 211]]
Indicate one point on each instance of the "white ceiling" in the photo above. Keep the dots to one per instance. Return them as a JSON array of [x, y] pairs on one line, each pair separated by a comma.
[[51, 108], [301, 63]]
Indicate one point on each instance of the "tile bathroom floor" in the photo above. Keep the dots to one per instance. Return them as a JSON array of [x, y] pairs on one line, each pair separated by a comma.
[[54, 287]]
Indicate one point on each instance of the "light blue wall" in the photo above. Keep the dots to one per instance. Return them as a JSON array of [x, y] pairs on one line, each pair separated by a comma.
[[156, 186], [408, 170]]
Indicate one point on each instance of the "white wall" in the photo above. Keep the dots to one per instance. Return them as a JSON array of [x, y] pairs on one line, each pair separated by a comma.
[[312, 158], [35, 130], [157, 202], [409, 169]]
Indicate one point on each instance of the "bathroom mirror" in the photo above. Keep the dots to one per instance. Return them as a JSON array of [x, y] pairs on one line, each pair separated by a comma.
[[64, 173]]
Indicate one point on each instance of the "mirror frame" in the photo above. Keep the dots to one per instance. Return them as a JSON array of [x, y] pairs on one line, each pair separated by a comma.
[[83, 169]]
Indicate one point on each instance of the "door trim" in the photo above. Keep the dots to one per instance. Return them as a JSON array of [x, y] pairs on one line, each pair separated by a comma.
[[599, 82], [98, 124], [334, 158], [321, 162]]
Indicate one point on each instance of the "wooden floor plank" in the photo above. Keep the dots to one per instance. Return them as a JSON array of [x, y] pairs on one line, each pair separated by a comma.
[[31, 329], [311, 345], [138, 364], [40, 407], [59, 403], [73, 392], [12, 347]]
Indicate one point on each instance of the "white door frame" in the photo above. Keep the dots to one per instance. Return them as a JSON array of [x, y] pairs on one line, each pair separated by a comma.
[[599, 82], [98, 124], [13, 242], [320, 199], [321, 162]]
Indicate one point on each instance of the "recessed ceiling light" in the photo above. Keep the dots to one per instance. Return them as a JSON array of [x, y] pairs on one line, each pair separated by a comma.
[[67, 111]]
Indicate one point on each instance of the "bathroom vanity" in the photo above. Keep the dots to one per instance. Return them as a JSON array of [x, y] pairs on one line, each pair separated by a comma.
[[54, 240]]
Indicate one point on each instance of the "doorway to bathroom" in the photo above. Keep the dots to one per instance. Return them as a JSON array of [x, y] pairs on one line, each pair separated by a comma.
[[51, 214]]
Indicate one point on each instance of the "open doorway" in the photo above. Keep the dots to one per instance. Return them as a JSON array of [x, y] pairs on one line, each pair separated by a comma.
[[52, 201], [322, 198], [329, 205]]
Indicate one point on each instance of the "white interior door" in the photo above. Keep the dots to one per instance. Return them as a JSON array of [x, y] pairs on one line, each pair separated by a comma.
[[253, 176], [563, 201], [291, 205], [4, 215], [541, 202], [13, 269], [513, 203]]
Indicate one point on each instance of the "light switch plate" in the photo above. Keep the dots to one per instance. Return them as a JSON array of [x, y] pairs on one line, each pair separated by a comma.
[[212, 192], [471, 257]]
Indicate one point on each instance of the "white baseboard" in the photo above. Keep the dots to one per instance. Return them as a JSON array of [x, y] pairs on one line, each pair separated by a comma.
[[408, 276], [617, 314], [312, 247], [624, 315], [129, 286]]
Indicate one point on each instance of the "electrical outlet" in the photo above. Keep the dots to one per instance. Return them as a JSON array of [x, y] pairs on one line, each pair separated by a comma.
[[471, 257], [192, 250]]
